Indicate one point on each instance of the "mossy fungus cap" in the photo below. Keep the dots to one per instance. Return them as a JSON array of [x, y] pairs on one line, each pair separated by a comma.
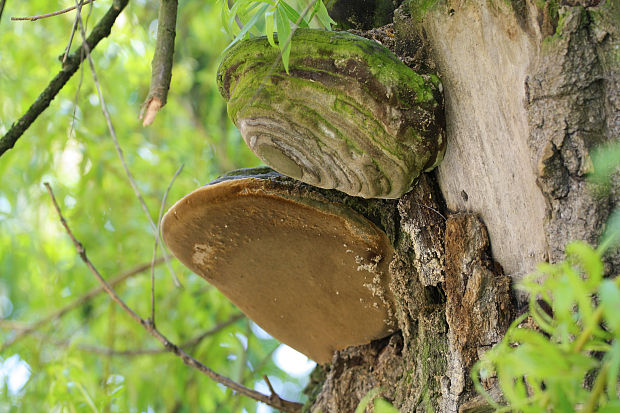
[[312, 273], [349, 115]]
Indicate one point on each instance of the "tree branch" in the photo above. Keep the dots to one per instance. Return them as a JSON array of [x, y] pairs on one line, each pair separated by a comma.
[[56, 13], [152, 351], [273, 400], [162, 61], [71, 65], [2, 3]]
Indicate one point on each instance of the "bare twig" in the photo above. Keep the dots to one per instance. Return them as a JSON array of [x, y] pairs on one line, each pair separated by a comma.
[[68, 48], [161, 213], [100, 31], [153, 351], [432, 209], [2, 3], [161, 66], [278, 403], [119, 151], [82, 252], [56, 13], [27, 329], [273, 392]]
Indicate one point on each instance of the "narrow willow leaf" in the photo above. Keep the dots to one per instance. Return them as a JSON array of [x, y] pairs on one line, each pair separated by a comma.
[[540, 316], [323, 15], [269, 16], [224, 15], [249, 25], [292, 14], [610, 240], [284, 36], [588, 258], [610, 300], [613, 357], [235, 10]]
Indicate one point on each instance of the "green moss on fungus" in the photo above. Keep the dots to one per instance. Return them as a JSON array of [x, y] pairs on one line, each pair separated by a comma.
[[350, 115]]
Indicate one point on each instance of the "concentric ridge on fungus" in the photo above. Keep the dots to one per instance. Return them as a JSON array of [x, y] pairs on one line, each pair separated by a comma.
[[350, 115]]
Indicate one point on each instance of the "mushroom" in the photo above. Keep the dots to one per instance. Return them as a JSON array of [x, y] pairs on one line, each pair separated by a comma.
[[349, 116], [311, 272]]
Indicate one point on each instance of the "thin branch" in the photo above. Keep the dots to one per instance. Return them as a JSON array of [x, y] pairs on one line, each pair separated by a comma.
[[269, 385], [100, 31], [27, 329], [278, 403], [2, 3], [161, 213], [119, 151], [153, 351], [82, 253], [56, 13], [68, 48], [161, 66]]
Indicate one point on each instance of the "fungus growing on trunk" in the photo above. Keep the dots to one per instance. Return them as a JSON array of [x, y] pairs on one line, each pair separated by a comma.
[[349, 116], [311, 272]]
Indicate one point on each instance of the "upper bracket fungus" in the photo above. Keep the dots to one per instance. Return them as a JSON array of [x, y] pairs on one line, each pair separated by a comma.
[[349, 115], [311, 272]]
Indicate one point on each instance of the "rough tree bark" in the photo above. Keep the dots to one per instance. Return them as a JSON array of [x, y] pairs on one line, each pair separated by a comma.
[[528, 93]]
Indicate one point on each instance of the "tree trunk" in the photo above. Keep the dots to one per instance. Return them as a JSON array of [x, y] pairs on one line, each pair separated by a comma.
[[528, 93]]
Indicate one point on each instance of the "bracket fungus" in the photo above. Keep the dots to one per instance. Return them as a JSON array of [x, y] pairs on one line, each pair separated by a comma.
[[311, 272], [349, 115]]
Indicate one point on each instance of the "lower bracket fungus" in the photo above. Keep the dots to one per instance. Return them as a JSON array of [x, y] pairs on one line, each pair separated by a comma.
[[311, 272], [349, 115]]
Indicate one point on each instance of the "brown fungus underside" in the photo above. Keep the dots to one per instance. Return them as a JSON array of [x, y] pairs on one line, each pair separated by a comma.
[[311, 272]]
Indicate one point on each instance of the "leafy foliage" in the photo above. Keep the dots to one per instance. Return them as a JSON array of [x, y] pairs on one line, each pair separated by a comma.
[[260, 17], [60, 366], [576, 340]]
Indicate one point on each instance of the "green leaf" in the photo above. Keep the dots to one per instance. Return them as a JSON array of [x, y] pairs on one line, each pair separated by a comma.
[[605, 161], [588, 258], [609, 294], [284, 37], [610, 240], [269, 16], [249, 25], [292, 14], [323, 15], [613, 358], [235, 11]]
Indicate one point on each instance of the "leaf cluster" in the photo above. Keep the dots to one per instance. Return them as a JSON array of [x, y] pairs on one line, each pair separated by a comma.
[[264, 17], [570, 360]]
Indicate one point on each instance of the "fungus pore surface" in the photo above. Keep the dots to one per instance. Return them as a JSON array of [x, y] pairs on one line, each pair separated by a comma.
[[312, 273], [349, 115]]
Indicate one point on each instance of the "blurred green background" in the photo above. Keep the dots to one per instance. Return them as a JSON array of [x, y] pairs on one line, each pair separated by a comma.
[[63, 366]]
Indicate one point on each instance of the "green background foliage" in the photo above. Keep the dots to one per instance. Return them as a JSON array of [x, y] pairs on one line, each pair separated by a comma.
[[70, 147]]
